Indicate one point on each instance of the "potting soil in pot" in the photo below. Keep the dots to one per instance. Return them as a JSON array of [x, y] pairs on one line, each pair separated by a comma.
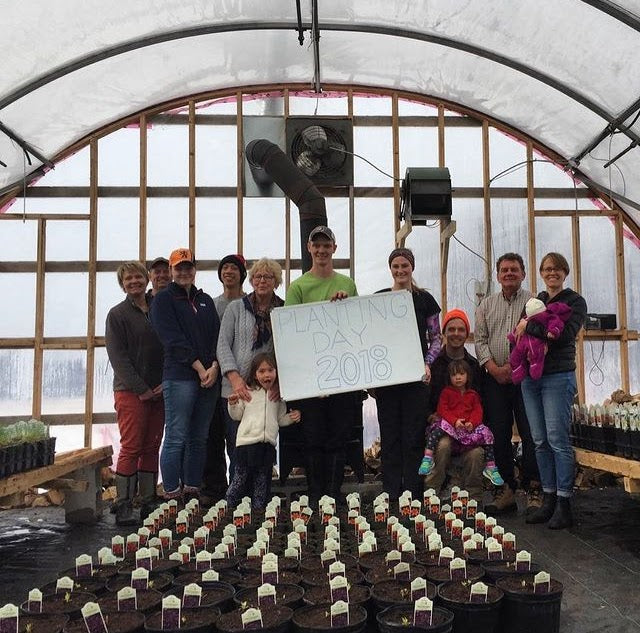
[[147, 600], [358, 594], [157, 581], [42, 623], [64, 602], [119, 622], [274, 620], [471, 617], [387, 593], [399, 619], [200, 620], [318, 619], [286, 596]]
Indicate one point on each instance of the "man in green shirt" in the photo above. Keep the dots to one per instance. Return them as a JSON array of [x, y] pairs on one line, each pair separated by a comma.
[[326, 420]]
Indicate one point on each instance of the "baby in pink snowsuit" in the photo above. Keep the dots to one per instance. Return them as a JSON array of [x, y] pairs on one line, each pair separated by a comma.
[[527, 355]]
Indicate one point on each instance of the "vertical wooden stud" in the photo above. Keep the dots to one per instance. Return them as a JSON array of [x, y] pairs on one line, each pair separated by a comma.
[[142, 234], [36, 405], [441, 163], [577, 278], [622, 303], [192, 176], [395, 137], [287, 213], [239, 170], [486, 199], [531, 220]]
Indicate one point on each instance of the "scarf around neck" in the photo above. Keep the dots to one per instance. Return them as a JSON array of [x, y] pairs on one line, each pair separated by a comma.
[[262, 327]]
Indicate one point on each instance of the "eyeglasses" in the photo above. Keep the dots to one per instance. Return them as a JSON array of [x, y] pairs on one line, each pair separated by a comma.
[[551, 269], [263, 277]]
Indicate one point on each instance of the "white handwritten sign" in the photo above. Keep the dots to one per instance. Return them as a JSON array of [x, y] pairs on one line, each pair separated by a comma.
[[357, 343]]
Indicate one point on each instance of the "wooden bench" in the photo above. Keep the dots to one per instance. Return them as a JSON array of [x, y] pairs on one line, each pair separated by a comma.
[[629, 469], [76, 472]]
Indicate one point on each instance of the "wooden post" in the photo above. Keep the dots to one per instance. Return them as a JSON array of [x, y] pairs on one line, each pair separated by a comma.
[[577, 275], [395, 135], [531, 219], [444, 247], [622, 303], [287, 213], [142, 233], [486, 198], [91, 298], [192, 176], [239, 170], [36, 405]]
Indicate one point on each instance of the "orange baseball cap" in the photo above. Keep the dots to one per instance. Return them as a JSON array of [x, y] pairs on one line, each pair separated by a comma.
[[181, 255]]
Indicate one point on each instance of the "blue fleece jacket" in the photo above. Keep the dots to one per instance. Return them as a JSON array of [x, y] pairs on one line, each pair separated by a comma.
[[188, 327]]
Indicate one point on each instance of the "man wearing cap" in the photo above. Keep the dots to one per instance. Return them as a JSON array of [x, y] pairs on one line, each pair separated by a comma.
[[456, 328], [232, 272], [188, 325], [327, 421], [496, 316], [159, 276]]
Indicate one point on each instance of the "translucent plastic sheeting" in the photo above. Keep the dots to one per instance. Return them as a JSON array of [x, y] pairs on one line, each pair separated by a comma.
[[527, 64]]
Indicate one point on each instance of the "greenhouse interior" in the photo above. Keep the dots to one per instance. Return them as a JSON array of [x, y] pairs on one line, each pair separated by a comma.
[[127, 132]]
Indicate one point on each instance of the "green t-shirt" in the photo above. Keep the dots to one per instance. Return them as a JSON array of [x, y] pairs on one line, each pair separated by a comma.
[[309, 288]]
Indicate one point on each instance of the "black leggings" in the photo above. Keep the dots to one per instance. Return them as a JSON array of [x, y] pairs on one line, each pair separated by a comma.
[[437, 434]]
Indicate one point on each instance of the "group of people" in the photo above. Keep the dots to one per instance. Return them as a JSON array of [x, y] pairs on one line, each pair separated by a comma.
[[202, 370]]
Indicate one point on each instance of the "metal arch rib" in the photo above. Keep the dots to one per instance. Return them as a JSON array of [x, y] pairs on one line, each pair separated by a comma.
[[616, 12], [338, 27]]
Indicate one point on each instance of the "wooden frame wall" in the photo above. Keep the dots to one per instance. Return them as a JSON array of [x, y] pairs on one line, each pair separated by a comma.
[[94, 192]]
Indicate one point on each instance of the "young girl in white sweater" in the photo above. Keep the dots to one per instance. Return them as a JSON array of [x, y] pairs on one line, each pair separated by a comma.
[[260, 419]]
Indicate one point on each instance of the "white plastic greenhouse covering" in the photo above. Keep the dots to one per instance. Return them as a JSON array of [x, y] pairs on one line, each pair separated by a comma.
[[564, 72]]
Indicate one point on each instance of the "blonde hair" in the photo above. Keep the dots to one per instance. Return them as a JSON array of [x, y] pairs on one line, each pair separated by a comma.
[[129, 267], [270, 265]]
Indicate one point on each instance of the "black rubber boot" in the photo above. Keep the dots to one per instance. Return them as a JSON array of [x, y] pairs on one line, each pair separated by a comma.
[[126, 489], [562, 517], [147, 483], [545, 511]]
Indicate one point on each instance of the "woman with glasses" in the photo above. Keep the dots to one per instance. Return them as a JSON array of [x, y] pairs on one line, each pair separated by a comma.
[[548, 400], [246, 331]]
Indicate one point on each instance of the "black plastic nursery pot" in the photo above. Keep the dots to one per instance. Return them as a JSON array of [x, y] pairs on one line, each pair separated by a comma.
[[67, 603], [317, 620], [157, 581], [274, 620], [200, 620], [524, 611], [216, 594], [494, 570], [117, 622], [471, 617], [286, 596], [394, 620], [42, 623], [147, 601]]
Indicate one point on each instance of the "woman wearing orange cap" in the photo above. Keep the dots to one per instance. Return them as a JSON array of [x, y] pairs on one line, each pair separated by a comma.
[[187, 324], [403, 409]]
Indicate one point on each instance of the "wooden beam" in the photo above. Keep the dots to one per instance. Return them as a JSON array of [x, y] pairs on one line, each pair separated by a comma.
[[192, 176], [75, 485], [570, 213], [486, 200], [36, 405], [239, 173], [444, 243], [577, 276], [63, 419], [395, 139], [44, 216], [531, 222], [609, 463], [622, 303], [142, 231]]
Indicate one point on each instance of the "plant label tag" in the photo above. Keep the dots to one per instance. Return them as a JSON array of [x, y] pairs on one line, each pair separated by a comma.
[[523, 561], [467, 533], [434, 543], [188, 541], [253, 552], [303, 501], [291, 552], [444, 508], [127, 599], [200, 537], [266, 595], [182, 525], [140, 578], [542, 582], [404, 538], [422, 612], [166, 538], [108, 559], [269, 572], [472, 508], [144, 534], [271, 514], [364, 548], [416, 506], [458, 569], [164, 508], [222, 508], [354, 505], [154, 552], [478, 539], [9, 618], [171, 612], [155, 543], [305, 514], [455, 491], [380, 513], [498, 533], [84, 566], [449, 518], [143, 558], [429, 492], [463, 498], [230, 530], [173, 507], [418, 589], [446, 556], [489, 524], [177, 556], [191, 596], [456, 528], [405, 506], [391, 521], [480, 521], [211, 575], [494, 551], [402, 571], [408, 551], [339, 589], [478, 592], [434, 504], [238, 518], [370, 537], [468, 546], [150, 524], [252, 619], [336, 568], [333, 545], [509, 541], [268, 526], [294, 510], [261, 534], [457, 508], [64, 584], [301, 530], [117, 546], [339, 614], [427, 532], [185, 552], [203, 561], [331, 531], [221, 551], [352, 516], [93, 620], [210, 520], [327, 557], [393, 558], [34, 601], [102, 552]]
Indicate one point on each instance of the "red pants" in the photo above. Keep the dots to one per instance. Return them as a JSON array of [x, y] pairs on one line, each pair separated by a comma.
[[141, 425]]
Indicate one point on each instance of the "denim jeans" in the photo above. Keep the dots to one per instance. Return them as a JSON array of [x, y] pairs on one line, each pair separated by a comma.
[[548, 403], [230, 433], [188, 409]]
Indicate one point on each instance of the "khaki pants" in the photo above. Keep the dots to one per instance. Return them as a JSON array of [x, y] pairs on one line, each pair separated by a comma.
[[472, 466]]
